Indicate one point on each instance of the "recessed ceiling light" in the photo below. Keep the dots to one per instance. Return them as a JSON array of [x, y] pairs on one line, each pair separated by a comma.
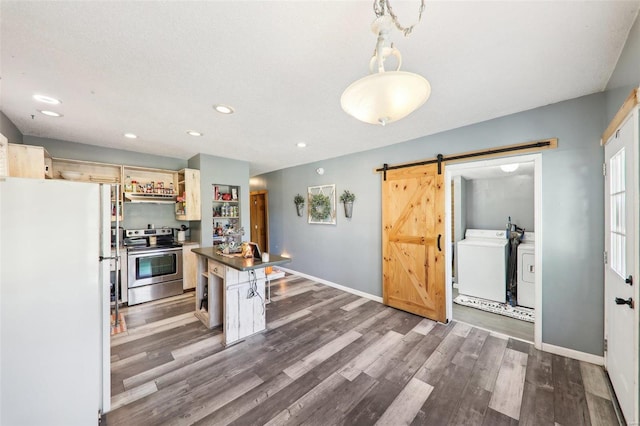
[[46, 99], [50, 113], [301, 145], [130, 135], [223, 109], [194, 133]]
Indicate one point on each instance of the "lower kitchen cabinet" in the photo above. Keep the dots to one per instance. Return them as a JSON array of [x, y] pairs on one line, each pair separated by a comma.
[[232, 298], [189, 266], [244, 314]]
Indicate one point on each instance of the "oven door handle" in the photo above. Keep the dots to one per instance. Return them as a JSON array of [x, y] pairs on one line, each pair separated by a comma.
[[153, 251]]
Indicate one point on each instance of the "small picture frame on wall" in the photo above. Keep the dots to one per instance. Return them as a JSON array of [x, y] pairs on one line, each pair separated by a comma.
[[322, 204]]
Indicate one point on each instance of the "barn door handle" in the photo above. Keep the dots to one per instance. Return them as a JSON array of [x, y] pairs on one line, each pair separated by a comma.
[[621, 301], [439, 236]]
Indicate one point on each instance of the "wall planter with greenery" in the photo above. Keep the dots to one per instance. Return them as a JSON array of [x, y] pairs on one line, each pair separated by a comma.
[[347, 198], [298, 200]]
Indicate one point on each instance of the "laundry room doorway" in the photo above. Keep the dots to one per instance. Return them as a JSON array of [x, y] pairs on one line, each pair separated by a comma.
[[492, 281]]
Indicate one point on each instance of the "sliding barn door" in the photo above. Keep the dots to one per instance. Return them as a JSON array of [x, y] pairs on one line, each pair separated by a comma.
[[413, 271]]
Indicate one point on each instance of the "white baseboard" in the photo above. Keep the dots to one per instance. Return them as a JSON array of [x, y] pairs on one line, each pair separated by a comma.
[[334, 285], [571, 353]]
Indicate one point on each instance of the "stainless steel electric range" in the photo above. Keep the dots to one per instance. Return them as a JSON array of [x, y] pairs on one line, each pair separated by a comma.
[[154, 264]]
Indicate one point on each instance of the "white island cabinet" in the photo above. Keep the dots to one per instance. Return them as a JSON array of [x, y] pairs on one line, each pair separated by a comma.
[[230, 291]]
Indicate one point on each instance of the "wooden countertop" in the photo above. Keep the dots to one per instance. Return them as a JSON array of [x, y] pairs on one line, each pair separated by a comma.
[[240, 263]]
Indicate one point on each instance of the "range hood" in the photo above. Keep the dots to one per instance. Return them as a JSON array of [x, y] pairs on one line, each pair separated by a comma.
[[141, 197]]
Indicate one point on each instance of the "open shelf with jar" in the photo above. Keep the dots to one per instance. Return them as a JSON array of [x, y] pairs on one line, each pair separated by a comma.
[[144, 185], [116, 203], [188, 203], [226, 211]]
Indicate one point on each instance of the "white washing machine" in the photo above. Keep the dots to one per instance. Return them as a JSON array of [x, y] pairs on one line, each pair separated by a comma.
[[482, 264], [526, 271]]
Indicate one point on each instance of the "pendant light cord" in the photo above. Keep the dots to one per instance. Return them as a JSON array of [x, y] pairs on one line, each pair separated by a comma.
[[380, 7]]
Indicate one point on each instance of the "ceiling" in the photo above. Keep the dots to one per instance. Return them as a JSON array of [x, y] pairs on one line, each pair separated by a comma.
[[156, 68], [495, 171]]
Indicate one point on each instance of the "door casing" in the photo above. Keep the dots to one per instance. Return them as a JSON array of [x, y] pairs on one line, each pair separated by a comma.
[[635, 290], [456, 169], [254, 217]]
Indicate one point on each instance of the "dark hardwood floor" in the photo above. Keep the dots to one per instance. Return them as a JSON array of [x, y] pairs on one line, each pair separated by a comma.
[[330, 357]]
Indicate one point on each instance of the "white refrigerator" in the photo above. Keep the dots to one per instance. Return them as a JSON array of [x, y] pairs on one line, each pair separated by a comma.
[[54, 302]]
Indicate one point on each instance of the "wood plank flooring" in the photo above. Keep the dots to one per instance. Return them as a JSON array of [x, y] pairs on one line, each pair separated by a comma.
[[330, 357]]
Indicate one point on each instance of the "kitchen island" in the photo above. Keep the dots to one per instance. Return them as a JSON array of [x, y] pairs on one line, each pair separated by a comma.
[[230, 291]]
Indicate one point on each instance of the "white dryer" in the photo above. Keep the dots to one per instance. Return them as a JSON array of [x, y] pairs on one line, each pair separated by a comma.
[[526, 271], [482, 264]]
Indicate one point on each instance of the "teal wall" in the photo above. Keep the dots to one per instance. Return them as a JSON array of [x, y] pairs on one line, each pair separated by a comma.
[[223, 171], [9, 130], [490, 202], [572, 212], [79, 151]]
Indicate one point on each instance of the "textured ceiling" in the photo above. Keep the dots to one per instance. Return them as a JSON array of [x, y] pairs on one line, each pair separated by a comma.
[[156, 69]]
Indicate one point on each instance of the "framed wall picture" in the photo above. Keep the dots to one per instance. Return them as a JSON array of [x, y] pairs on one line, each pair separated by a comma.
[[322, 204]]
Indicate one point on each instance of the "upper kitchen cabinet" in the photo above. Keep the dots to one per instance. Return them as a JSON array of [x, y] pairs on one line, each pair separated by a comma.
[[89, 171], [86, 171], [144, 185], [182, 188], [188, 202], [28, 161]]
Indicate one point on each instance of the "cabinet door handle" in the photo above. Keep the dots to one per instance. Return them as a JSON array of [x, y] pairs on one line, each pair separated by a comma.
[[439, 236]]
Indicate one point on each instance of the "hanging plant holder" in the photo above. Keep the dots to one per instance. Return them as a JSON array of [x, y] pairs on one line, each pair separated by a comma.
[[298, 200], [348, 209], [347, 198]]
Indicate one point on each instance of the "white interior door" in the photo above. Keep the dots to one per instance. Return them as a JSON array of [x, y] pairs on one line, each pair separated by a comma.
[[621, 278]]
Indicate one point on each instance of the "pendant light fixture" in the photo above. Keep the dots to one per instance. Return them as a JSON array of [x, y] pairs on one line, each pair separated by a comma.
[[386, 96]]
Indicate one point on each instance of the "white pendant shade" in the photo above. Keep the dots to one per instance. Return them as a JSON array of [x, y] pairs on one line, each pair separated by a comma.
[[385, 97]]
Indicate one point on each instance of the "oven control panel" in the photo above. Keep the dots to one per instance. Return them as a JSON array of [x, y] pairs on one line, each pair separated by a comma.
[[147, 232]]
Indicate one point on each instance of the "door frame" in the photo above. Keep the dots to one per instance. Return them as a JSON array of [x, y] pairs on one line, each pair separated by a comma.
[[633, 114], [266, 215], [456, 169]]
